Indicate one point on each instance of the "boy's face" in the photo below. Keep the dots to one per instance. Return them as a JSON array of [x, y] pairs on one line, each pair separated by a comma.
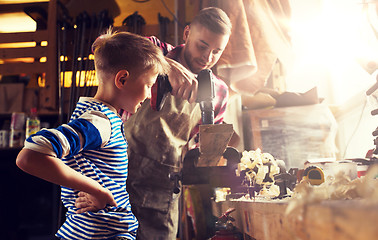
[[203, 48], [138, 89]]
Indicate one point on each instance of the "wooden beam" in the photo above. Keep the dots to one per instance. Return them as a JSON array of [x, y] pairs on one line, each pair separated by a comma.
[[35, 52], [48, 94], [37, 36], [23, 68], [19, 7]]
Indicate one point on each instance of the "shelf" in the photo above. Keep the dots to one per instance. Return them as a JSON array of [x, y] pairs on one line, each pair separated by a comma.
[[20, 7], [45, 15]]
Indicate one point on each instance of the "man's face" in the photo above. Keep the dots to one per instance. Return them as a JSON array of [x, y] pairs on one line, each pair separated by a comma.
[[203, 48]]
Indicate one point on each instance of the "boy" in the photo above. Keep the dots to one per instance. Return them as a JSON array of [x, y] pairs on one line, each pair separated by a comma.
[[89, 154]]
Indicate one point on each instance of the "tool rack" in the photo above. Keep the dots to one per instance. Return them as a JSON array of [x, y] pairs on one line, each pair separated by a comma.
[[46, 31]]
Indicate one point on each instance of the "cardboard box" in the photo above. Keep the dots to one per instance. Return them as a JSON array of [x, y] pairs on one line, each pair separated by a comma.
[[11, 97]]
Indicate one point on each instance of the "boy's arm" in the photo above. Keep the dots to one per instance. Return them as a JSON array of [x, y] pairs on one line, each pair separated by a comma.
[[43, 151], [54, 170]]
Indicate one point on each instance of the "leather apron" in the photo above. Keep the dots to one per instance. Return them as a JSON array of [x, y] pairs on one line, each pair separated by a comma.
[[156, 142]]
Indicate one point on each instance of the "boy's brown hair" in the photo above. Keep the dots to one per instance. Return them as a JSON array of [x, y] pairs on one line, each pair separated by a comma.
[[115, 51]]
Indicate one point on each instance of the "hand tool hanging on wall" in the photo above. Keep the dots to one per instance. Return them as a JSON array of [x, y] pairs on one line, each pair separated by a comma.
[[61, 36], [163, 27], [134, 23], [101, 23], [85, 22], [105, 21], [82, 42], [64, 23], [88, 50], [75, 53]]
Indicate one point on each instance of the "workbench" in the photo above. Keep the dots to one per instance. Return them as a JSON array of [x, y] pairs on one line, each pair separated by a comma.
[[331, 219]]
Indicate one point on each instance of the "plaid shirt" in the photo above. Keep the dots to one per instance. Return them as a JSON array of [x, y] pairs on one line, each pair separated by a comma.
[[221, 88]]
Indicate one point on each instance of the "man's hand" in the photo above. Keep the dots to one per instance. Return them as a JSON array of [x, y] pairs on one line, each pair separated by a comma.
[[183, 82], [89, 202]]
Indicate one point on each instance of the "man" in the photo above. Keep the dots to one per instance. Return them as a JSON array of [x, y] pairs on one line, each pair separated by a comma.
[[157, 139]]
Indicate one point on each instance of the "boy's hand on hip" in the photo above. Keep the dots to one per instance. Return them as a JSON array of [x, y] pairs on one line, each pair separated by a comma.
[[88, 202]]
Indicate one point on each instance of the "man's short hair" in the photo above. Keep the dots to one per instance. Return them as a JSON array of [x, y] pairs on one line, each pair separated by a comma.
[[214, 19]]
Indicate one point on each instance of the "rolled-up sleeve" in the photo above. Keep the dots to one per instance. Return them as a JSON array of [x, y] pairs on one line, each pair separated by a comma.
[[91, 131]]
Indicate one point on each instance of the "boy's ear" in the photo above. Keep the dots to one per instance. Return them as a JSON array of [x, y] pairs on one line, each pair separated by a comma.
[[121, 77]]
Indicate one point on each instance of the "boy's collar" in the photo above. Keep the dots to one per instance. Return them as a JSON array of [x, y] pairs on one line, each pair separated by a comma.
[[113, 109]]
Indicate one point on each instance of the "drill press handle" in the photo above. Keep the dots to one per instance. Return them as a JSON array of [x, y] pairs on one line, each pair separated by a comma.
[[206, 94]]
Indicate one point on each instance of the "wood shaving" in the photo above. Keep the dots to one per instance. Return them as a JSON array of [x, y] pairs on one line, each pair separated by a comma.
[[339, 187]]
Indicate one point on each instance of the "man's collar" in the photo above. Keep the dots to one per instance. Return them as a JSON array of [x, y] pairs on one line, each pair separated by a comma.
[[175, 52]]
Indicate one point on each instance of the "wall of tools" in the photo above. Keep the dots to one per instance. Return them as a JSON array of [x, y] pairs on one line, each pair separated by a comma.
[[74, 39], [76, 66]]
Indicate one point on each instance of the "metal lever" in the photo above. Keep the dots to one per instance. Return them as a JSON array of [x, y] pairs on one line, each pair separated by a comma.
[[206, 94], [176, 178], [163, 88]]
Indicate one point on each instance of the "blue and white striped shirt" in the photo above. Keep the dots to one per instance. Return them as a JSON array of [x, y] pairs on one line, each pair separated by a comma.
[[93, 144]]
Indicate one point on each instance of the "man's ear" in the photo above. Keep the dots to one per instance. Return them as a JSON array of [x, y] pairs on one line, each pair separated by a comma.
[[121, 77], [186, 33]]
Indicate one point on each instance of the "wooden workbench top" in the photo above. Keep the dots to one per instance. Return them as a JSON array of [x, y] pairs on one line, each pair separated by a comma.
[[328, 220]]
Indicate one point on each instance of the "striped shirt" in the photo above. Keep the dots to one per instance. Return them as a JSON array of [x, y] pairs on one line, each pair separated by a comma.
[[93, 144]]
